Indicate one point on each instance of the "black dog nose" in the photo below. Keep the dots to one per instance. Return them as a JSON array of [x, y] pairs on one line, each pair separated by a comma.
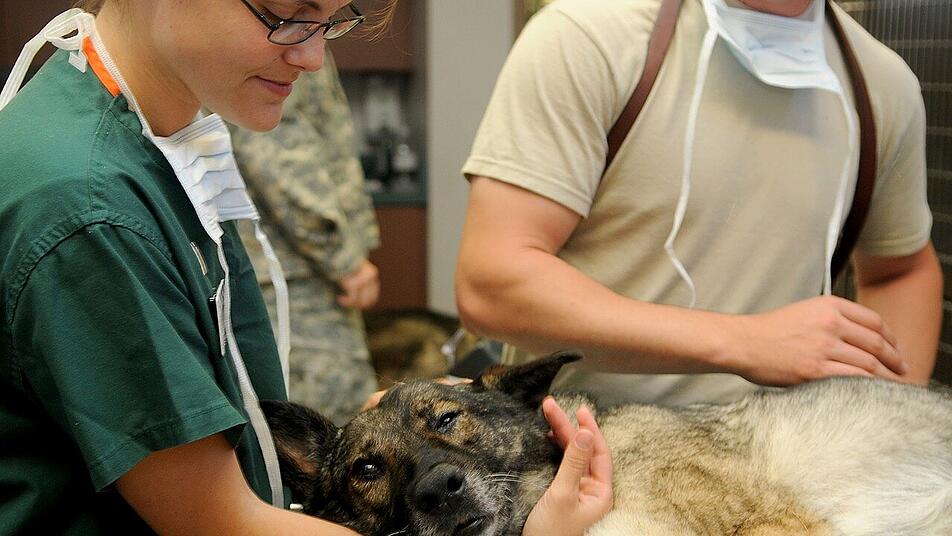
[[441, 487]]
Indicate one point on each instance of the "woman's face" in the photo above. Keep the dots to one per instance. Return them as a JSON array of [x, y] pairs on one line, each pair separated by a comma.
[[218, 52]]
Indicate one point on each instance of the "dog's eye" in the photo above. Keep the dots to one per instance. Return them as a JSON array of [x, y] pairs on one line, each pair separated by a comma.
[[444, 423], [366, 470]]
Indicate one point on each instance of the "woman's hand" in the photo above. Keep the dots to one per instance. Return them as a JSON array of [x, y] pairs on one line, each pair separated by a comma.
[[581, 492]]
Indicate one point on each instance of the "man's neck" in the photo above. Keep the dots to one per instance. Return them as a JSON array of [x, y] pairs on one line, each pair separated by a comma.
[[784, 8]]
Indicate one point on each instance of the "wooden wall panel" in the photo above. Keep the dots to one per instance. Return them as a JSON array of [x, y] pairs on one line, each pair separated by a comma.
[[20, 20], [401, 257]]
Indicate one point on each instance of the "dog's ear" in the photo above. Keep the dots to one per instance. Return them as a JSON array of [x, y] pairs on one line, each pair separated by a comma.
[[528, 382], [299, 434]]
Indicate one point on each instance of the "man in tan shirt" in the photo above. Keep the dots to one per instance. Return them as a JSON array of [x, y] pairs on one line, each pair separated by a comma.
[[556, 255]]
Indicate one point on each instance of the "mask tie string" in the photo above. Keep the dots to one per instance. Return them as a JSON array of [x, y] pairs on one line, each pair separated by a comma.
[[704, 61]]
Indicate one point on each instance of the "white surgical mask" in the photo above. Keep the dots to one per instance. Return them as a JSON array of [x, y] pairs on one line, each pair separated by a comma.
[[781, 52], [201, 157]]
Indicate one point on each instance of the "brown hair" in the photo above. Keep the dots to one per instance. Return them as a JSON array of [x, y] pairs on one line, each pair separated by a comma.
[[90, 6], [378, 19]]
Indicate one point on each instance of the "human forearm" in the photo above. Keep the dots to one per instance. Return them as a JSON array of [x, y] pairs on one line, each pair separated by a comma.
[[910, 303], [538, 302], [198, 489], [270, 520]]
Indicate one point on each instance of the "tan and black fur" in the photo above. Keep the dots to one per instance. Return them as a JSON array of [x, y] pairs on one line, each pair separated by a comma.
[[834, 457]]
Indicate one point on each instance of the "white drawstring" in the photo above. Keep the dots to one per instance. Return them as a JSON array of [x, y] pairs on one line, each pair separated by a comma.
[[704, 60], [282, 302], [836, 220], [54, 32], [255, 416]]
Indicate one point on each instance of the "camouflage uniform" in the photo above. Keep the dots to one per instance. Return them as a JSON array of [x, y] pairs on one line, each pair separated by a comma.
[[307, 182]]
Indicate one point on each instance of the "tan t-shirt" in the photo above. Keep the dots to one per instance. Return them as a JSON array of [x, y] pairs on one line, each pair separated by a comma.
[[766, 166]]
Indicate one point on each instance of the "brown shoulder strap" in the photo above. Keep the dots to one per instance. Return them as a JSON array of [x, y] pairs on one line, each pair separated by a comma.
[[657, 48], [866, 176]]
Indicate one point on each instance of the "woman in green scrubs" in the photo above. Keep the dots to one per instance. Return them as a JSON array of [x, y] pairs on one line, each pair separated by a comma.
[[135, 341]]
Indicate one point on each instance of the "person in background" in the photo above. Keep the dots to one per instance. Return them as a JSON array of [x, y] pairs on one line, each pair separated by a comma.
[[135, 343], [690, 270], [306, 180]]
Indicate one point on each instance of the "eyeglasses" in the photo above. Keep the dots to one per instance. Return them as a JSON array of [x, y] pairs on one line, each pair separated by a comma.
[[292, 32]]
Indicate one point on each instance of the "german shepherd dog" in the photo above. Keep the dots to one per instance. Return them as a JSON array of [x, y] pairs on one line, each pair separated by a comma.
[[834, 457]]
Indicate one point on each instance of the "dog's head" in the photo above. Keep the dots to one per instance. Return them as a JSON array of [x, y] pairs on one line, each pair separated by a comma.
[[430, 459]]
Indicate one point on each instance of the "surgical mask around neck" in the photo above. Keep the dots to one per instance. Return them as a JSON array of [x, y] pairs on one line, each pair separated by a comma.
[[202, 160], [201, 156], [780, 52]]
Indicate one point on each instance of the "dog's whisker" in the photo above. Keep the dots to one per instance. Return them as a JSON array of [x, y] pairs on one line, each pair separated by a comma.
[[511, 478]]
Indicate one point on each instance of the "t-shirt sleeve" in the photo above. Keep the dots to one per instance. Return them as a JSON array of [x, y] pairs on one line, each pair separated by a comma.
[[899, 219], [108, 341], [546, 125]]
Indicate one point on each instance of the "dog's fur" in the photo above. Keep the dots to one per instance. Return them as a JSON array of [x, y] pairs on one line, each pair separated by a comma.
[[838, 456]]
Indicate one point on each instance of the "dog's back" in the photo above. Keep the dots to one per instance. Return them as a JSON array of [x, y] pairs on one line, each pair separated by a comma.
[[840, 456], [874, 457]]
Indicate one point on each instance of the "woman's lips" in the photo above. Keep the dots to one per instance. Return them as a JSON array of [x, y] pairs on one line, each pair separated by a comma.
[[278, 88]]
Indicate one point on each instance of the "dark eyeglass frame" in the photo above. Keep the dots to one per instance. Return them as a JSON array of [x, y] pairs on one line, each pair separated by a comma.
[[318, 26]]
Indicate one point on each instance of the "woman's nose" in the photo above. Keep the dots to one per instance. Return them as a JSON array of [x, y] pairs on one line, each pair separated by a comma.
[[309, 55]]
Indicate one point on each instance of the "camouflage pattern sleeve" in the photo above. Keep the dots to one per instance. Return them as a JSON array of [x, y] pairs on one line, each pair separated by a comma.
[[330, 113], [305, 177]]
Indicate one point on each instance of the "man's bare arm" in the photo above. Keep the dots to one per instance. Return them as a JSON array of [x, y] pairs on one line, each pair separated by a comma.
[[512, 286], [907, 292]]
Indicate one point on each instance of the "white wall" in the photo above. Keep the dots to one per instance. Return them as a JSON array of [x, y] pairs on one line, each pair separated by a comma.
[[466, 45]]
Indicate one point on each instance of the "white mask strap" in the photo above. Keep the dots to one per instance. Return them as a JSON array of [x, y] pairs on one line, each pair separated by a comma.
[[839, 208], [281, 297], [250, 399], [54, 32], [704, 61]]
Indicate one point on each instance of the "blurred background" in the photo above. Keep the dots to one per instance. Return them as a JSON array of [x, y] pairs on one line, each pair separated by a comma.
[[417, 95]]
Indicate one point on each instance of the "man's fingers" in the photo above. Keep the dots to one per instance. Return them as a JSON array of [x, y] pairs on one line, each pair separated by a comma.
[[852, 354], [835, 368], [874, 344], [867, 318], [862, 361]]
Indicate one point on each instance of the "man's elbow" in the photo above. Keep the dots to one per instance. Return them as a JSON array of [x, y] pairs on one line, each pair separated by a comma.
[[473, 305]]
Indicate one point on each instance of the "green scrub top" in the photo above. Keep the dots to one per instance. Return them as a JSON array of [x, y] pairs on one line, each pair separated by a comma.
[[109, 348]]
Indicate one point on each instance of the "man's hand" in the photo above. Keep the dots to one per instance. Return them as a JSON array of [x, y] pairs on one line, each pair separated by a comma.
[[361, 287], [581, 493], [812, 339]]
